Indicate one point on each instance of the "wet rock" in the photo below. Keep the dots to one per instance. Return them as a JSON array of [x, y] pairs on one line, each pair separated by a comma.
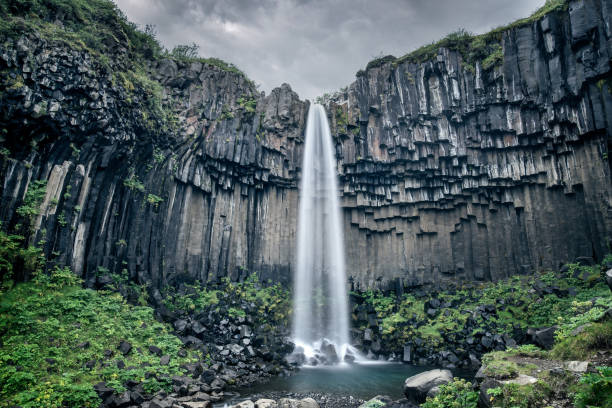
[[545, 338], [265, 403], [417, 386]]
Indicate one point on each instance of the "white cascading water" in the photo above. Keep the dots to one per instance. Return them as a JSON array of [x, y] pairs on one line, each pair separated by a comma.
[[320, 287]]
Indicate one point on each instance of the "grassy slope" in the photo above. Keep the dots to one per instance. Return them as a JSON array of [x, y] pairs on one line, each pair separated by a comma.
[[516, 302], [43, 322]]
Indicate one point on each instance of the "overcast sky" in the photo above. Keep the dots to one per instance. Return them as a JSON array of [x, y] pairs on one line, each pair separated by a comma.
[[316, 46]]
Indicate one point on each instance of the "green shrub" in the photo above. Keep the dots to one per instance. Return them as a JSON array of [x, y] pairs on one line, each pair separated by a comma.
[[595, 389], [456, 394], [485, 47], [33, 199], [520, 396], [133, 183]]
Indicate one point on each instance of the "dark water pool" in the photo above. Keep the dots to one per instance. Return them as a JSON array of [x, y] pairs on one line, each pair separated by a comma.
[[362, 381]]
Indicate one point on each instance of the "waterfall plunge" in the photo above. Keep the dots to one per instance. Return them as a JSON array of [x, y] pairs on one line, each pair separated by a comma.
[[320, 289]]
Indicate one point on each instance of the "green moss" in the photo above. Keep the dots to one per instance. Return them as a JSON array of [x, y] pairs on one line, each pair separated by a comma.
[[133, 183], [380, 61], [154, 200], [248, 104]]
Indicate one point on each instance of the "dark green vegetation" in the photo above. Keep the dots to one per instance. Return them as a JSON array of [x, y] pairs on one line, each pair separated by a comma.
[[59, 339], [486, 48], [595, 389], [97, 26], [456, 394], [273, 303], [519, 302]]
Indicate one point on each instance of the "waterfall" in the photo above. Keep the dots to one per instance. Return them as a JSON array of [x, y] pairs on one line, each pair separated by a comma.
[[320, 316]]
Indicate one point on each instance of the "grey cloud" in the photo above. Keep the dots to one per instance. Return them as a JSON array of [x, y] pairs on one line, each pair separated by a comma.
[[315, 45]]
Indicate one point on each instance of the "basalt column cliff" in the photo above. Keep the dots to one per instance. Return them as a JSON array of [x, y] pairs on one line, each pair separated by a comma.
[[451, 170], [451, 167]]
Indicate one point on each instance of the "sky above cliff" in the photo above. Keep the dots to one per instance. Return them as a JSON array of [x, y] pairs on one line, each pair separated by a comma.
[[316, 46]]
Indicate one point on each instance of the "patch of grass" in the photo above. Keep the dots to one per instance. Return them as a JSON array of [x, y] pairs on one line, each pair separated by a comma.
[[51, 327], [520, 396], [500, 369], [596, 336]]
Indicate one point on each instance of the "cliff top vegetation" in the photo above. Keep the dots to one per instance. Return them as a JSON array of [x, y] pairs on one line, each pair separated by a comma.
[[97, 26], [485, 48]]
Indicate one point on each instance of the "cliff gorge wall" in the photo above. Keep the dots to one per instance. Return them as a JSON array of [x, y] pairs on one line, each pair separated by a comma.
[[210, 191], [183, 171], [455, 173]]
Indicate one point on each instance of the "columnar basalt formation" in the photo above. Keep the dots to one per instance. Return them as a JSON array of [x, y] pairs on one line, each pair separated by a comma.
[[213, 195], [446, 172], [477, 175]]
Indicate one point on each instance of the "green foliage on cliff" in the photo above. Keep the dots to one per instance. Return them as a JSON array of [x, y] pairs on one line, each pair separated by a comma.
[[95, 25], [15, 257], [53, 329], [33, 199], [485, 48]]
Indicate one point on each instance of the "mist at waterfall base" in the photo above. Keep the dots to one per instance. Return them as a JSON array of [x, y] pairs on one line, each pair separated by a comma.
[[320, 304]]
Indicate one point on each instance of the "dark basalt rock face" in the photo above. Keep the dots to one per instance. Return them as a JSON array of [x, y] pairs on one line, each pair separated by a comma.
[[213, 196], [452, 175], [446, 174]]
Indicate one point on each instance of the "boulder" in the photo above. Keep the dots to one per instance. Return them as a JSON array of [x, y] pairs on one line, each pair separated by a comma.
[[124, 347], [293, 403], [244, 404], [545, 338], [417, 386], [155, 350], [609, 278], [196, 404], [265, 403], [484, 399]]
